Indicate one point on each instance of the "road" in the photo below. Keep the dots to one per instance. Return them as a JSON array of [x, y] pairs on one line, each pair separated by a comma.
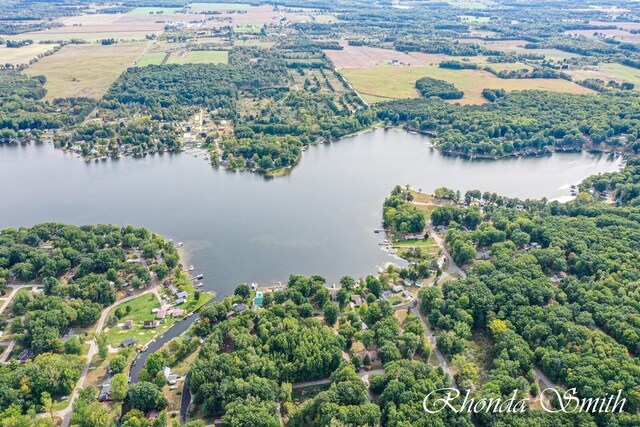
[[364, 375], [13, 293], [65, 414], [545, 380], [432, 340], [453, 268]]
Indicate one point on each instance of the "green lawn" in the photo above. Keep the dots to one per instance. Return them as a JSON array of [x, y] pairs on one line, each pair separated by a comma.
[[612, 71], [151, 59], [201, 57], [399, 82]]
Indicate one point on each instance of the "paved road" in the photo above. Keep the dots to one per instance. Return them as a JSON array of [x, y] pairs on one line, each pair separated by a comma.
[[13, 293], [65, 414], [364, 375], [7, 352], [545, 380], [453, 268], [432, 340]]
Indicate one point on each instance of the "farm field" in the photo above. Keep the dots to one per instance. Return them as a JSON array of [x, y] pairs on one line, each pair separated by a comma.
[[218, 6], [154, 10], [85, 70], [23, 54], [617, 34], [86, 36], [399, 82], [151, 59], [606, 72], [366, 57], [200, 57]]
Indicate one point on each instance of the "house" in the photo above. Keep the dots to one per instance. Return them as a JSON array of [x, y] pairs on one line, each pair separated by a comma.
[[385, 295], [483, 255], [239, 308], [182, 295], [418, 284], [25, 355], [357, 300], [68, 334], [171, 378], [127, 324], [161, 314], [105, 393], [396, 289], [180, 301], [152, 415], [230, 314], [128, 342], [177, 312], [373, 355], [406, 294], [150, 324]]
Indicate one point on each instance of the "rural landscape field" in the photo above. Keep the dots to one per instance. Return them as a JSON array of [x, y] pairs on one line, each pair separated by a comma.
[[301, 213]]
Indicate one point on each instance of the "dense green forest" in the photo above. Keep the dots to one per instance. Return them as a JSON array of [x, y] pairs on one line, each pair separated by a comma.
[[524, 123], [429, 87]]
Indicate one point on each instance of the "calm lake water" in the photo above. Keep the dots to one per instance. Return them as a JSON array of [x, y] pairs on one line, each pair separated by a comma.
[[240, 227]]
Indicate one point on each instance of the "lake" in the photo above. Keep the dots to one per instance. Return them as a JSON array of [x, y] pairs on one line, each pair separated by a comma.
[[240, 227]]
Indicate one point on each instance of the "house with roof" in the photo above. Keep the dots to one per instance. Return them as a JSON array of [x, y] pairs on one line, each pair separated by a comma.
[[171, 378], [373, 355], [357, 300], [396, 289], [105, 393], [149, 324], [239, 308], [128, 342], [385, 295], [182, 295], [128, 324], [161, 314]]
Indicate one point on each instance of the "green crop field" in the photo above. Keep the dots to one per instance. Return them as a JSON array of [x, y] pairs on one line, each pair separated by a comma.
[[201, 57], [85, 70], [399, 82], [151, 59], [607, 72]]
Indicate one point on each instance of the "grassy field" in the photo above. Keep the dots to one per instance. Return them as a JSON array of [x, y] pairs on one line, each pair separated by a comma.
[[151, 59], [140, 311], [219, 6], [148, 10], [88, 36], [201, 57], [23, 54], [85, 70], [247, 29], [606, 72], [399, 82]]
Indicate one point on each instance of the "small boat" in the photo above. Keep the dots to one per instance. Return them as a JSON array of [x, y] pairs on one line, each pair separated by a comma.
[[199, 285], [199, 276], [191, 268], [378, 230], [180, 244]]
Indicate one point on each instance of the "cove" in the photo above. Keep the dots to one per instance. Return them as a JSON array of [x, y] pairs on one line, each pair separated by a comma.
[[240, 227]]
